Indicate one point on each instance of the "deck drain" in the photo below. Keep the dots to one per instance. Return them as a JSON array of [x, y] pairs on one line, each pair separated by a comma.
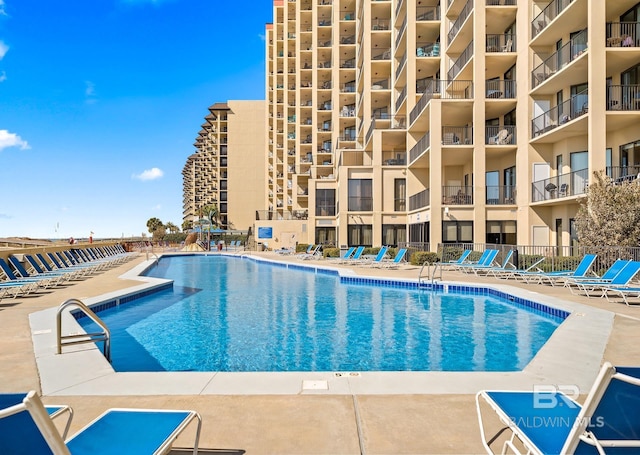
[[315, 385], [41, 332], [353, 374]]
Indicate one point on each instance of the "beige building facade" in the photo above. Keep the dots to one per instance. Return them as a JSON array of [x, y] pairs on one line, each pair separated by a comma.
[[227, 168], [458, 121]]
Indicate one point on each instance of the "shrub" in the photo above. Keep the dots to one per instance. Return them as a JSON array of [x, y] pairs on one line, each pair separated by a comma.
[[420, 257], [331, 252]]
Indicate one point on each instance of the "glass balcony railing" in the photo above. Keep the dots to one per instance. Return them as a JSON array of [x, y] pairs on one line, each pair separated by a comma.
[[559, 59], [560, 186], [563, 113], [501, 195]]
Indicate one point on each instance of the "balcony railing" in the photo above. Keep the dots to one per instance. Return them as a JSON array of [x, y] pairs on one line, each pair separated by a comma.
[[379, 25], [462, 17], [428, 13], [551, 11], [437, 88], [382, 54], [563, 113], [264, 215], [501, 195], [500, 135], [401, 97], [419, 200], [457, 195], [621, 174], [623, 34], [501, 43], [500, 89], [421, 146], [623, 97], [461, 61], [501, 2], [428, 50], [560, 186], [457, 135], [559, 59]]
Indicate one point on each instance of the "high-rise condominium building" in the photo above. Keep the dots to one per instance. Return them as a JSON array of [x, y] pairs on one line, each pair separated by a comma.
[[457, 121], [227, 169]]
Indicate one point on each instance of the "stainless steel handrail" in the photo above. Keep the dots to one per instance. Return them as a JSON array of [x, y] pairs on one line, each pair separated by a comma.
[[68, 340]]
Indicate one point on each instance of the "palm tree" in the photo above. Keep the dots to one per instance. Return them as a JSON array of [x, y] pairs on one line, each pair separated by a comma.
[[172, 228]]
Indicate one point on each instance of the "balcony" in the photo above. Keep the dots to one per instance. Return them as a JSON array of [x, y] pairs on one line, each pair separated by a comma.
[[621, 174], [623, 97], [428, 50], [500, 89], [419, 200], [457, 195], [421, 147], [459, 22], [382, 54], [559, 59], [623, 34], [457, 135], [438, 88], [560, 186], [500, 43], [551, 11], [428, 13], [571, 109], [501, 195], [500, 135], [460, 62]]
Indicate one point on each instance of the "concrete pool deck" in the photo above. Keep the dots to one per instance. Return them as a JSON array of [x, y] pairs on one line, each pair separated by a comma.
[[373, 413]]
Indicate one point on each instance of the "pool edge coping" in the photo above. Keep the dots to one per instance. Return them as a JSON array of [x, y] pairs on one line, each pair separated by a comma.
[[82, 370]]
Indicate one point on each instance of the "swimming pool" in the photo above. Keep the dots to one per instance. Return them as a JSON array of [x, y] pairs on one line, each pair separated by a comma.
[[233, 314]]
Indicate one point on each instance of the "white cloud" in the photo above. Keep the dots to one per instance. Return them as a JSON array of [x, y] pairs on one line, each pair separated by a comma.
[[3, 76], [2, 11], [149, 174], [8, 139], [3, 49], [157, 207], [89, 88]]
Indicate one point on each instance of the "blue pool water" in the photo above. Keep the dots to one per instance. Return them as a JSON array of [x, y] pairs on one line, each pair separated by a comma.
[[233, 314]]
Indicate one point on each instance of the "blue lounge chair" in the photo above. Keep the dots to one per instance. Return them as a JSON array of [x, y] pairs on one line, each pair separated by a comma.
[[314, 254], [345, 257], [393, 263], [550, 422], [356, 256], [495, 270], [55, 277], [486, 260], [377, 259], [28, 284], [551, 277], [461, 260], [26, 427], [620, 281], [606, 277]]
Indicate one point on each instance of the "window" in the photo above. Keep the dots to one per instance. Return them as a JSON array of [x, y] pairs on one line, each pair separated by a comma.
[[501, 232], [325, 202], [223, 196], [360, 196], [558, 232], [325, 236], [400, 195], [393, 234], [558, 164], [457, 231], [492, 182], [360, 234], [510, 185], [579, 99], [573, 235], [223, 208], [419, 233]]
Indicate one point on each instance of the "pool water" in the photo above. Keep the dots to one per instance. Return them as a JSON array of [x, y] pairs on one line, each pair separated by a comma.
[[233, 314]]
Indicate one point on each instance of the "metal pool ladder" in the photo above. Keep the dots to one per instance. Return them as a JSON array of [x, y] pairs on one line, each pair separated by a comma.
[[430, 274], [82, 338]]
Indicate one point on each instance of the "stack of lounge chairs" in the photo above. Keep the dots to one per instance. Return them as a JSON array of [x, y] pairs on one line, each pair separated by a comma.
[[41, 271]]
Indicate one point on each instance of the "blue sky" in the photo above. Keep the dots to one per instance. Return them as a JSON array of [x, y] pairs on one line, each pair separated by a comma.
[[101, 102]]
